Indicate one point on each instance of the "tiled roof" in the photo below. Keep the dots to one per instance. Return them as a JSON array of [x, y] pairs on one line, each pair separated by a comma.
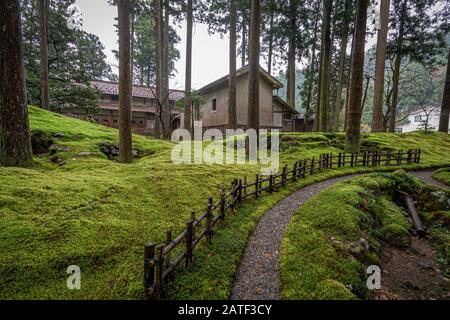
[[138, 91], [240, 72]]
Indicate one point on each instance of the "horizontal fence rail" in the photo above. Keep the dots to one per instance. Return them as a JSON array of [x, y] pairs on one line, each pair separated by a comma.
[[162, 260]]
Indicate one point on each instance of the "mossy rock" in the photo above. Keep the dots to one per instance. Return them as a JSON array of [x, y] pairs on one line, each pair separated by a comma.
[[41, 142], [397, 235], [333, 290]]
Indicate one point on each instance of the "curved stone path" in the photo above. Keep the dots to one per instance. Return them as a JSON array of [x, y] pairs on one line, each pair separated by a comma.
[[258, 276]]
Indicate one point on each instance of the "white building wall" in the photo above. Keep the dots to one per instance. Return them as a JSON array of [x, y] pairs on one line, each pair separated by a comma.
[[414, 123]]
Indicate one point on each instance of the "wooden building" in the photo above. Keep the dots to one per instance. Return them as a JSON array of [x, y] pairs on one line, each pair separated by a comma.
[[275, 113], [143, 107]]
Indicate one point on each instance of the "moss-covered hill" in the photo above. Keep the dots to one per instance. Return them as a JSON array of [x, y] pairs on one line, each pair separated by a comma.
[[98, 214]]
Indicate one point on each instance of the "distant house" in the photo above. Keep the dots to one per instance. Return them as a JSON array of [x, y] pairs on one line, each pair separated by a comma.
[[143, 107], [420, 119], [274, 112]]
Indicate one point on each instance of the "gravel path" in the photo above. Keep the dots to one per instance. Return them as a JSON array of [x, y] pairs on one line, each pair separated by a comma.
[[258, 276], [427, 177]]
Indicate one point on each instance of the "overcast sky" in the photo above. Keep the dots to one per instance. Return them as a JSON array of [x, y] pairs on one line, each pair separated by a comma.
[[210, 52]]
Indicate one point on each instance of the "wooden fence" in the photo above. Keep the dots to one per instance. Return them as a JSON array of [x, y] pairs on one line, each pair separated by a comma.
[[162, 260]]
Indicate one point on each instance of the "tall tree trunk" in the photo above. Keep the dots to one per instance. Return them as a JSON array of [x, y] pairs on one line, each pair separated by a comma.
[[445, 111], [125, 96], [319, 89], [292, 54], [270, 54], [244, 38], [356, 86], [188, 86], [43, 7], [377, 118], [15, 145], [311, 76], [397, 65], [166, 112], [325, 84], [347, 99], [253, 86], [158, 67], [232, 115], [342, 60], [133, 17]]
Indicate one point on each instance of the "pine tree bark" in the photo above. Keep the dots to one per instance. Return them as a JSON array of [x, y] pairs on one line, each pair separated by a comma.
[[292, 54], [188, 86], [15, 145], [125, 87], [133, 17], [270, 53], [342, 60], [158, 66], [319, 89], [166, 106], [445, 111], [377, 118], [43, 7], [311, 76], [347, 99], [397, 66], [325, 84], [253, 86], [232, 115], [244, 39], [356, 87]]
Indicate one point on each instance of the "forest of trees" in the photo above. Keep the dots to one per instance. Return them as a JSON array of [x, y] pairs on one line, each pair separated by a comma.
[[320, 45]]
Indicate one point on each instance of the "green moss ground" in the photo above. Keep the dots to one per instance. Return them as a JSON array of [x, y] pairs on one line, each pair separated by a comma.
[[317, 263], [98, 214], [443, 175]]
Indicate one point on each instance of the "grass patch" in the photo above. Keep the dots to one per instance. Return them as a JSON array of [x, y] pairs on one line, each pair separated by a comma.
[[443, 175], [98, 214]]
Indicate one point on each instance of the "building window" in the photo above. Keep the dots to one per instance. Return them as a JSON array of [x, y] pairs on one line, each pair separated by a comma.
[[418, 119], [399, 130], [114, 97], [214, 105], [286, 116]]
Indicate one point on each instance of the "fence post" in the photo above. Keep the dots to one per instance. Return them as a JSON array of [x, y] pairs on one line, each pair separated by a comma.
[[149, 271], [194, 219], [245, 185], [312, 165], [331, 161], [257, 186], [159, 283], [419, 154], [399, 157], [239, 197], [283, 176], [189, 243], [209, 221], [352, 160], [222, 206], [409, 157], [294, 172], [389, 156], [168, 242], [233, 195], [271, 183], [340, 160]]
